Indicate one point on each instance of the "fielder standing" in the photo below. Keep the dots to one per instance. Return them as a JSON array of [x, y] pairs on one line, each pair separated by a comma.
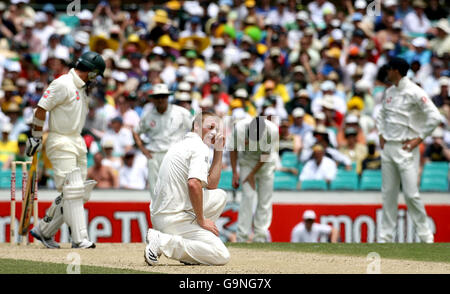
[[162, 125], [407, 116], [254, 144], [186, 202], [67, 102]]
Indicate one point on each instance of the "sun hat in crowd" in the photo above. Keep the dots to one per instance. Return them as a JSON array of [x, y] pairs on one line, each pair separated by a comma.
[[298, 112], [160, 89]]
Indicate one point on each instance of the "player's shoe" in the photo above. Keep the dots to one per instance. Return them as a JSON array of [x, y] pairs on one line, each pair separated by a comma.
[[85, 244], [48, 242], [152, 251]]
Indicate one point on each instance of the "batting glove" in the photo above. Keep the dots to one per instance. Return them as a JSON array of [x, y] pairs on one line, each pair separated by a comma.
[[33, 145]]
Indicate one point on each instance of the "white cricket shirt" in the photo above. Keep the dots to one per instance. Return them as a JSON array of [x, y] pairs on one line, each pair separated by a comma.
[[67, 103], [406, 113], [186, 159], [163, 130], [300, 234]]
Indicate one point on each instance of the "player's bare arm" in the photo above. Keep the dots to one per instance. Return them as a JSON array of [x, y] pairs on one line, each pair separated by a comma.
[[216, 166], [233, 160], [196, 197], [141, 146]]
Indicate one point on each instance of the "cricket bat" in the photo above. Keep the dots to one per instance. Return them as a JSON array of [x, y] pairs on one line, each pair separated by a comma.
[[27, 202]]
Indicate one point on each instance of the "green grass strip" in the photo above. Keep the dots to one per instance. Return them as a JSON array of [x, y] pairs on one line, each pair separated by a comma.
[[18, 266], [438, 252]]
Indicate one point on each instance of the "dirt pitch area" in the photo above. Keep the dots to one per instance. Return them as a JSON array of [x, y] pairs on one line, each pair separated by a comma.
[[243, 261]]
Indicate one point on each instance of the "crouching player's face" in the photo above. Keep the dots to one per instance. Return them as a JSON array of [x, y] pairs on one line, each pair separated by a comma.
[[210, 132]]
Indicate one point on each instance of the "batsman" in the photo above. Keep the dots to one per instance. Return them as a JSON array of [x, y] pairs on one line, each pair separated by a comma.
[[66, 100]]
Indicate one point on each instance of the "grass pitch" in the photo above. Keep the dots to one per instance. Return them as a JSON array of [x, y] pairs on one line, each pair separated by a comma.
[[438, 252], [18, 266]]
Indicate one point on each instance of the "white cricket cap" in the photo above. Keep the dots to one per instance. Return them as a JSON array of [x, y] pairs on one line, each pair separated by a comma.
[[351, 119], [388, 3], [190, 79], [40, 17], [302, 15], [444, 81], [337, 34], [270, 111], [298, 112], [309, 214], [123, 63], [82, 37], [419, 42], [241, 93], [119, 76], [328, 102], [319, 116], [28, 23], [362, 85], [85, 14], [184, 86], [160, 89], [245, 55], [158, 50], [328, 86], [360, 4], [7, 128], [438, 133], [213, 67], [183, 96]]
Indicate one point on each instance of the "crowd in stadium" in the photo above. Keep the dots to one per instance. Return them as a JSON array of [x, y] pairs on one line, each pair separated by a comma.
[[318, 67]]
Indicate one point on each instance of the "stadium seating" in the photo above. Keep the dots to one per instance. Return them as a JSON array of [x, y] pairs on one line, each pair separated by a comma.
[[285, 181], [345, 180], [314, 185], [433, 184], [226, 178], [289, 159], [5, 179], [371, 180]]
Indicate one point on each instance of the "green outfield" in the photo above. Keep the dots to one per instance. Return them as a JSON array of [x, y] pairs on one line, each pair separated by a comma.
[[438, 252]]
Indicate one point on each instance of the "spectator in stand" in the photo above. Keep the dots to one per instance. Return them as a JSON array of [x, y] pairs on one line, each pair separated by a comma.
[[352, 149], [319, 167], [120, 135], [373, 158], [288, 141], [308, 231], [133, 174], [444, 94], [299, 127], [104, 175], [416, 23], [109, 159], [8, 147], [437, 150]]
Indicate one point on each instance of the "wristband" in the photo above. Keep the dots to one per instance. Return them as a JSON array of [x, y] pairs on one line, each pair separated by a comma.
[[36, 134], [38, 122]]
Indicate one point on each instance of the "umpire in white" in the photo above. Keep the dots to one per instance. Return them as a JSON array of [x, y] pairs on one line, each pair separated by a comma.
[[407, 116], [162, 125]]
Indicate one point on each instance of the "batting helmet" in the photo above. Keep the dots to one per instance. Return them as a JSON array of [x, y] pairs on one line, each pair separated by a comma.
[[92, 62]]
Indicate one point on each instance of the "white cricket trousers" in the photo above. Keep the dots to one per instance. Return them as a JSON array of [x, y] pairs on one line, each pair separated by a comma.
[[401, 166], [184, 240], [65, 153], [153, 166], [262, 218]]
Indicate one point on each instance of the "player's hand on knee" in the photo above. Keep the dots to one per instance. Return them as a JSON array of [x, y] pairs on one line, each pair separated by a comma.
[[33, 145], [209, 225]]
